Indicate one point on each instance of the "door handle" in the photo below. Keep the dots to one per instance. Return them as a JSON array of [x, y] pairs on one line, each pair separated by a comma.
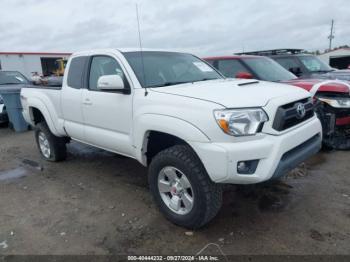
[[87, 102]]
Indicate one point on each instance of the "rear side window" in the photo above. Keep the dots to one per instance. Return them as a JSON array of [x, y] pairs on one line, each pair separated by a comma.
[[230, 68], [76, 72]]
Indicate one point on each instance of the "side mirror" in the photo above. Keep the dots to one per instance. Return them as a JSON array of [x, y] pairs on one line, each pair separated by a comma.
[[110, 82], [244, 75]]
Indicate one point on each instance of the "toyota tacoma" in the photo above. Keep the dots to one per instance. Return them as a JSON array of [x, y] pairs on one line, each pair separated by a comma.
[[177, 115], [331, 97]]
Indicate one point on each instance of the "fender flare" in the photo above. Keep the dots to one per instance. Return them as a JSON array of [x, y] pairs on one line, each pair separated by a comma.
[[171, 125], [39, 105], [317, 86]]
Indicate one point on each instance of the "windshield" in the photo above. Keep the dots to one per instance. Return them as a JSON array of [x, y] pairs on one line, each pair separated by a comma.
[[268, 70], [169, 68], [314, 64], [12, 77]]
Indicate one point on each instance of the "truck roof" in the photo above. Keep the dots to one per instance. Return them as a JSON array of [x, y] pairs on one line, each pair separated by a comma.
[[280, 51], [230, 57], [123, 50]]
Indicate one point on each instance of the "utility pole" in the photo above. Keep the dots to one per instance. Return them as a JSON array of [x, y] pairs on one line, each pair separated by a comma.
[[331, 36]]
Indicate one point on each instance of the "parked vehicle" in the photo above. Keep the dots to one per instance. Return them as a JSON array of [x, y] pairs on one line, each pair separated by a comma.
[[172, 112], [60, 65], [12, 78], [57, 75], [301, 64], [333, 104], [343, 74], [3, 114]]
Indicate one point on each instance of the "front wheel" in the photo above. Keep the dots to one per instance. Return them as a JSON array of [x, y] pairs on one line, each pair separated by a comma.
[[182, 188], [51, 147]]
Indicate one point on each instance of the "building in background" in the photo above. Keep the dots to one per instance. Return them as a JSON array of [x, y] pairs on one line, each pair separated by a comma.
[[27, 63], [339, 58]]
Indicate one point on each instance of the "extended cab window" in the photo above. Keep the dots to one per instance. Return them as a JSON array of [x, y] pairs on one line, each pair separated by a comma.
[[101, 66], [76, 72], [230, 68]]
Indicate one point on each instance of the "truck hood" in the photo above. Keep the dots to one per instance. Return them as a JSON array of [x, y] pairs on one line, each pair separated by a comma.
[[233, 92], [307, 84], [337, 74]]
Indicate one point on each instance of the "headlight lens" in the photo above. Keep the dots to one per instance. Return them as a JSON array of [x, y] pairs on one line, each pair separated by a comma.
[[240, 122], [337, 102]]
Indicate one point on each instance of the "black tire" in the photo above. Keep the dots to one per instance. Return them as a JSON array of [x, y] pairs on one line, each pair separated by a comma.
[[207, 195], [58, 150]]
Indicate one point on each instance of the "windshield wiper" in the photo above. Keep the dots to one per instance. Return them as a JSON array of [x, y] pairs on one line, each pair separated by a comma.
[[168, 84], [322, 71], [204, 79], [180, 82]]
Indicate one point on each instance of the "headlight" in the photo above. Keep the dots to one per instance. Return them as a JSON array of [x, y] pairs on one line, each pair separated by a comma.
[[337, 102], [240, 122]]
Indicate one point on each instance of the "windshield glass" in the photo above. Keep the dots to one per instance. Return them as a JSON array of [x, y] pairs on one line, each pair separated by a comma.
[[12, 77], [169, 68], [314, 64], [268, 70]]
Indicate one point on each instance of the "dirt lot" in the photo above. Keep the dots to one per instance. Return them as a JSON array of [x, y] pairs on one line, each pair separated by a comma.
[[98, 203]]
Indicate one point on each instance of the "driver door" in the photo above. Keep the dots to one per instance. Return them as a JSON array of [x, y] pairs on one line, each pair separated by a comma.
[[107, 114]]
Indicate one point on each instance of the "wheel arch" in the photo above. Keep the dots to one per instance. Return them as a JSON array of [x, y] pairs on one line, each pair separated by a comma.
[[39, 113], [151, 129]]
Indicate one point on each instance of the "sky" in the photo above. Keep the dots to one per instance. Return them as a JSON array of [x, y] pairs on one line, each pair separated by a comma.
[[202, 27]]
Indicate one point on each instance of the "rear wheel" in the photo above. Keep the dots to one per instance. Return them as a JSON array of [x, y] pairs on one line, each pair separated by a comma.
[[51, 147], [182, 189]]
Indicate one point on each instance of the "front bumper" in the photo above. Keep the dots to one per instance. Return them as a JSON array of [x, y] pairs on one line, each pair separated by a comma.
[[335, 124], [297, 155], [276, 154]]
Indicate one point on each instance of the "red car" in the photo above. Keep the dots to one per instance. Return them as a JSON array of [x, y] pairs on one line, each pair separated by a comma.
[[333, 97]]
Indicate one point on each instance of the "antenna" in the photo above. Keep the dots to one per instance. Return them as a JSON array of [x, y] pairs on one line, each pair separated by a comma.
[[141, 52]]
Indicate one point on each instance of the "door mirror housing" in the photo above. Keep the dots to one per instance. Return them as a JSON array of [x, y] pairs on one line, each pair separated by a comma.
[[110, 82], [244, 75]]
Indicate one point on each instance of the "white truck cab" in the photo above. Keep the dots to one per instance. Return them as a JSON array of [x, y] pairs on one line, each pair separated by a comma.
[[175, 114]]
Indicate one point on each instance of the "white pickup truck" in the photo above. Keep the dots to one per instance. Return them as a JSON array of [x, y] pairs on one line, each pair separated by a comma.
[[172, 112]]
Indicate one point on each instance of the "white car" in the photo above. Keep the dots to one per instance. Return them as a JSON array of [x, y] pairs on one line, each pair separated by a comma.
[[175, 114]]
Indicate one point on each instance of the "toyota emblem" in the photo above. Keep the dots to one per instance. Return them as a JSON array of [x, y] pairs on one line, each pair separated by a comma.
[[300, 110]]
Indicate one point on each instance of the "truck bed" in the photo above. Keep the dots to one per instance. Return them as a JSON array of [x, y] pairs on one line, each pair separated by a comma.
[[45, 87]]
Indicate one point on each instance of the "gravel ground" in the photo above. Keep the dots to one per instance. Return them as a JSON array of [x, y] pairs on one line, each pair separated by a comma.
[[98, 203]]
